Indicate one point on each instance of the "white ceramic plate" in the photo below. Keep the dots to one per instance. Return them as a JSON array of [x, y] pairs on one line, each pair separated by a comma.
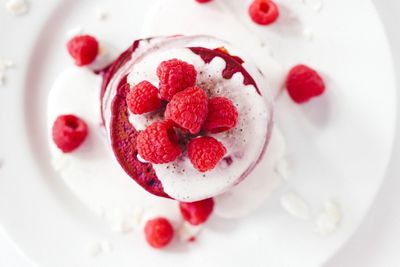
[[339, 146]]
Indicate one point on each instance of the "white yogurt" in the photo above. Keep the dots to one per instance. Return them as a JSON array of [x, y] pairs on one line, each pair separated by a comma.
[[245, 143]]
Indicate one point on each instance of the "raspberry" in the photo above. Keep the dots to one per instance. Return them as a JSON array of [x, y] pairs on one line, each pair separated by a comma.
[[198, 212], [83, 49], [143, 98], [222, 115], [175, 75], [69, 132], [188, 109], [203, 1], [159, 232], [205, 153], [304, 83], [263, 12], [158, 143]]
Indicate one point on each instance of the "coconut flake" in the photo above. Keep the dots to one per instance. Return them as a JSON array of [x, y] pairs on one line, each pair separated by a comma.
[[17, 7], [329, 219], [295, 205]]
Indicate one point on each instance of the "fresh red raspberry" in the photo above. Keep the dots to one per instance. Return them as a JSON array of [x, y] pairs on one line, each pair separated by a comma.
[[203, 1], [159, 232], [205, 153], [175, 75], [83, 49], [69, 132], [222, 115], [304, 83], [263, 12], [158, 143], [143, 98], [198, 212], [188, 109]]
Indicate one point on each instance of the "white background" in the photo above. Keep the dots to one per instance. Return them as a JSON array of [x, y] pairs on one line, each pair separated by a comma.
[[377, 242]]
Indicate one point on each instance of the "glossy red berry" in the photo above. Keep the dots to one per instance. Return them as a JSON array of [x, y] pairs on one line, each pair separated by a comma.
[[188, 109], [69, 132], [83, 49], [304, 83], [158, 143], [263, 12], [175, 75], [143, 98], [197, 212], [205, 153], [222, 115], [159, 232]]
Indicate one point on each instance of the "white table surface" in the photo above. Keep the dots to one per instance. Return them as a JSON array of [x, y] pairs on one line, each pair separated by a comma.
[[377, 242]]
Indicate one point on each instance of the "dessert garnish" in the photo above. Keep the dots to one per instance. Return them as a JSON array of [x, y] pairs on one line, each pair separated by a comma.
[[304, 83], [198, 212], [263, 12], [159, 232], [83, 49], [69, 132]]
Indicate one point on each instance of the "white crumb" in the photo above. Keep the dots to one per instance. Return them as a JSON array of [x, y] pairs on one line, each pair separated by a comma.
[[99, 247], [93, 249], [318, 6], [308, 34], [17, 7], [315, 5], [188, 231], [2, 79], [74, 31], [127, 223], [106, 246], [329, 219], [295, 205], [6, 64], [101, 14]]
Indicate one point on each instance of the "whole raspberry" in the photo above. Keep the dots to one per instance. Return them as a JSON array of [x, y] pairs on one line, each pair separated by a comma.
[[175, 75], [203, 1], [158, 143], [69, 132], [143, 98], [83, 49], [188, 109], [205, 153], [304, 83], [159, 232], [198, 212], [222, 115], [263, 12]]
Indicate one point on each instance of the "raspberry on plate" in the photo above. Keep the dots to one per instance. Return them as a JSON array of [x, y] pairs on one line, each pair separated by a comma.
[[143, 98], [304, 83], [69, 132], [83, 49], [205, 152], [158, 143], [159, 232], [203, 1], [222, 115], [263, 12], [188, 109], [175, 75], [197, 212]]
